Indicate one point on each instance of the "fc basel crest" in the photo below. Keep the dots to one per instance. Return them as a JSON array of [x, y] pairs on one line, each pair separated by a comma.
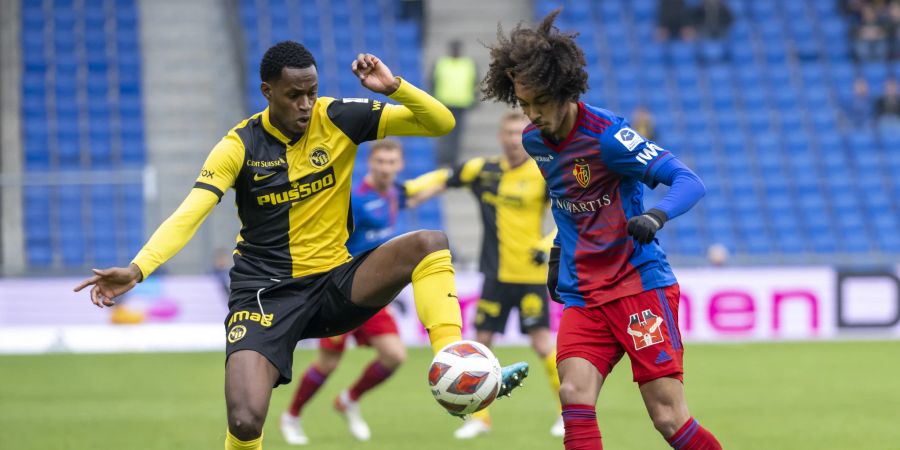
[[582, 172], [319, 157]]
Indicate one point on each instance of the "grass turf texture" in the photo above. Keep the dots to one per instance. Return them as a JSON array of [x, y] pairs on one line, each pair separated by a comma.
[[753, 396]]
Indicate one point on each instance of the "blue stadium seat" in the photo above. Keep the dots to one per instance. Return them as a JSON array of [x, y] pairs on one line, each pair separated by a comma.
[[80, 123]]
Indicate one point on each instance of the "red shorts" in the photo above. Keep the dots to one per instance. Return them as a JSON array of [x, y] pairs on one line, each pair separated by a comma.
[[644, 325], [381, 323]]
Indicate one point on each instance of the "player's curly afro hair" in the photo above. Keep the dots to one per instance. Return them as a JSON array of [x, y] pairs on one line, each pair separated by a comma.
[[543, 58], [281, 55]]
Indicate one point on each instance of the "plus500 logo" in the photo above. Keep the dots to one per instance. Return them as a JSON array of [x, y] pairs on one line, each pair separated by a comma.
[[299, 190]]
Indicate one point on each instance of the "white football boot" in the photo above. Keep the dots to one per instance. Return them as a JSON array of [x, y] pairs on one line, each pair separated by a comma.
[[292, 431], [350, 410], [472, 428]]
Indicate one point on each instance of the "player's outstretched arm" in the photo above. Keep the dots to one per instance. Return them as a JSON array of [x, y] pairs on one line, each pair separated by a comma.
[[219, 172], [168, 239], [629, 154], [419, 114], [423, 187]]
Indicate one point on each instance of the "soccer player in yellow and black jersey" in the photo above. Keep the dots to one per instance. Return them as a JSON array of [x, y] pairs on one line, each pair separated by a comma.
[[293, 278], [513, 200]]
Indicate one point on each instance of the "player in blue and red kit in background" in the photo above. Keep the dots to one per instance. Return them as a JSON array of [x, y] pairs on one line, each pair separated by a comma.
[[606, 265], [376, 201]]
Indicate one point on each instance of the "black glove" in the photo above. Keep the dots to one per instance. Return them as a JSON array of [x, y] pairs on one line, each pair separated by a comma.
[[644, 227], [538, 257], [553, 274]]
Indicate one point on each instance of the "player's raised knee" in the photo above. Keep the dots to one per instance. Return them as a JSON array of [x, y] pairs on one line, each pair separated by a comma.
[[245, 424], [426, 242]]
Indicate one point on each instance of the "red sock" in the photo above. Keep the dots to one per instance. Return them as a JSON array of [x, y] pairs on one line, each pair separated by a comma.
[[692, 436], [582, 432], [312, 380], [374, 375]]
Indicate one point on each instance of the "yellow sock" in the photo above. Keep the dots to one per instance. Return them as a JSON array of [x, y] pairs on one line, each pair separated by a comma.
[[233, 443], [442, 335], [552, 374], [434, 290], [483, 416]]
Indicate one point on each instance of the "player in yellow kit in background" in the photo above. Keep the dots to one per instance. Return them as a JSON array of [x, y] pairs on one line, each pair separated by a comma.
[[293, 279], [513, 202]]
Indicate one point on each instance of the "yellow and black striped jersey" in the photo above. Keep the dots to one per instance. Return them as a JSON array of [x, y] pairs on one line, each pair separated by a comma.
[[293, 196], [513, 203]]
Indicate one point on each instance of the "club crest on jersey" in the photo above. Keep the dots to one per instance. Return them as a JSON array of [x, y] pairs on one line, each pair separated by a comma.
[[582, 173], [319, 157], [644, 329]]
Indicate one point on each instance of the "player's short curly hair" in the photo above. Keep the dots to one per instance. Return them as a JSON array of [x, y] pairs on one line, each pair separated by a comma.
[[543, 58], [281, 55]]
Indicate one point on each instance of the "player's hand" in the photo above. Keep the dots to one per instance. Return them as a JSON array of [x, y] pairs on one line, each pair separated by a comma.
[[111, 283], [374, 74], [538, 256], [643, 228], [553, 274]]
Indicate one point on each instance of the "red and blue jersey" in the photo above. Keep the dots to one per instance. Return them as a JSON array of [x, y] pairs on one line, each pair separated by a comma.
[[595, 178], [374, 216]]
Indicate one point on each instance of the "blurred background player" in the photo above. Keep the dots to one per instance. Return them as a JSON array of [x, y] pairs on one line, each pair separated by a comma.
[[606, 265], [454, 82], [375, 200], [513, 201]]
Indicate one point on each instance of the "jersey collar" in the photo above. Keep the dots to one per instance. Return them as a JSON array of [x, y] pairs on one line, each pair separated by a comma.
[[267, 125], [371, 187], [562, 145]]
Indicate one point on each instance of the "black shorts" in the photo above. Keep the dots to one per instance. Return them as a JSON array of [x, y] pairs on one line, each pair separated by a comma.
[[271, 320], [499, 298]]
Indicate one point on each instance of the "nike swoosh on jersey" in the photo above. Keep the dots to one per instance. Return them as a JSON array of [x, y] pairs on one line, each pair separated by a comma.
[[256, 176]]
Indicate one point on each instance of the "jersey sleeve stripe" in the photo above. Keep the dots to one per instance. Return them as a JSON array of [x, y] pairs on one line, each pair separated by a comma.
[[210, 188], [593, 128], [596, 119]]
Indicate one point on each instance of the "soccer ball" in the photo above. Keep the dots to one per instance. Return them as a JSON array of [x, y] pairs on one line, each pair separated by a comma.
[[464, 377]]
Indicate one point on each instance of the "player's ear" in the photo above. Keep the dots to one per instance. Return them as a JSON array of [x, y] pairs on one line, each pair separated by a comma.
[[266, 90]]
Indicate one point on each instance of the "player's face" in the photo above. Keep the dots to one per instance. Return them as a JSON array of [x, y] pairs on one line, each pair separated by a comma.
[[384, 165], [511, 139], [544, 112], [291, 99]]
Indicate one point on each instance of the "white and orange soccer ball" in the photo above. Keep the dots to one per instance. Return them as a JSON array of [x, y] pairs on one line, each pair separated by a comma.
[[464, 377]]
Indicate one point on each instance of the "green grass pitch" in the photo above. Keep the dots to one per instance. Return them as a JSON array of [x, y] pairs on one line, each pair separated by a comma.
[[752, 396]]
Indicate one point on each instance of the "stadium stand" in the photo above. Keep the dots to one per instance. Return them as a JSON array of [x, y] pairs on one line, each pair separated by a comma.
[[334, 33], [82, 120], [758, 115]]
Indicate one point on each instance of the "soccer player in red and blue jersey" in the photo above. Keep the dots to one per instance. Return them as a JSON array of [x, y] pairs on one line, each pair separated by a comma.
[[606, 266]]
